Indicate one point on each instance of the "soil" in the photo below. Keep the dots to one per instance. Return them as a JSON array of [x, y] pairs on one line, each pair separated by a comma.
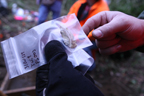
[[120, 74], [10, 28], [23, 81]]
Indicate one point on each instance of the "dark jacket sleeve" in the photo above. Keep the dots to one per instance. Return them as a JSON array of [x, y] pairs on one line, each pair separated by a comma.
[[141, 48], [141, 16], [59, 78]]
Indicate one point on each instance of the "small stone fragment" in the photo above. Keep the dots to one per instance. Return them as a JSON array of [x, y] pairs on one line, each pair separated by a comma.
[[68, 37]]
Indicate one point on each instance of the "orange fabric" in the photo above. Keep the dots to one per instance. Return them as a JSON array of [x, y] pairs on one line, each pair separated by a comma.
[[1, 36], [99, 6]]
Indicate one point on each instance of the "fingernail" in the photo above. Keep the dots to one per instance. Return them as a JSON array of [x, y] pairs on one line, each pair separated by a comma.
[[97, 33]]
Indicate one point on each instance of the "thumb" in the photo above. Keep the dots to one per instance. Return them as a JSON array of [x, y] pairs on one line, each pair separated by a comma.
[[109, 29], [106, 24]]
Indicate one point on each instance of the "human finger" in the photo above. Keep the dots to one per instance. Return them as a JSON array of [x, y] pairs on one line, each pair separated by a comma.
[[98, 20], [110, 50], [110, 28], [111, 37], [107, 43], [41, 78]]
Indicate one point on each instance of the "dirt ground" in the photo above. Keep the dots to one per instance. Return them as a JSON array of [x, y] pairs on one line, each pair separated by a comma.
[[115, 75], [10, 28], [120, 74]]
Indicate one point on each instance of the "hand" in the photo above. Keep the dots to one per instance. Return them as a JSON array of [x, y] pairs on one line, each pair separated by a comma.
[[115, 31], [59, 78]]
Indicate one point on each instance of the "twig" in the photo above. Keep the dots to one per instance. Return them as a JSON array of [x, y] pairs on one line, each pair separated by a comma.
[[97, 83]]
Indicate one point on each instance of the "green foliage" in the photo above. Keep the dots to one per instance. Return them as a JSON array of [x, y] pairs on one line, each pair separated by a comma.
[[131, 7], [67, 5], [31, 5], [26, 4]]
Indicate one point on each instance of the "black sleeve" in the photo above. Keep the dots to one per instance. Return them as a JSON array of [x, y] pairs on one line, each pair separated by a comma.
[[141, 48], [64, 80], [59, 78]]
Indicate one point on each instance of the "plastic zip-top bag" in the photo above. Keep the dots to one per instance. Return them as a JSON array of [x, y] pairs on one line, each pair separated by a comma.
[[24, 52]]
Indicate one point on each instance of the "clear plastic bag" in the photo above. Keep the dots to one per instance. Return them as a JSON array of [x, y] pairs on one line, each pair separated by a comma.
[[24, 52]]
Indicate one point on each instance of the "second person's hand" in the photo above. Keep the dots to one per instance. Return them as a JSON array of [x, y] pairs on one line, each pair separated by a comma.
[[115, 31]]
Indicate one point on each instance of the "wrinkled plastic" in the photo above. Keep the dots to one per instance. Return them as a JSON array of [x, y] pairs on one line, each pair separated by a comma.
[[24, 52]]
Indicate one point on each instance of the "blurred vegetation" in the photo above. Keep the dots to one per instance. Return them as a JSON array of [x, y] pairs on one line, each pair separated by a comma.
[[131, 7], [26, 4], [66, 5], [31, 5]]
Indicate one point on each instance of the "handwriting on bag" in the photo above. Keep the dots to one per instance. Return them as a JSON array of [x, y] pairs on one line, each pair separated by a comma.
[[33, 59]]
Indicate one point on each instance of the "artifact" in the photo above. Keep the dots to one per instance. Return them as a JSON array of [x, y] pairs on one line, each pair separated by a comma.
[[68, 37]]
